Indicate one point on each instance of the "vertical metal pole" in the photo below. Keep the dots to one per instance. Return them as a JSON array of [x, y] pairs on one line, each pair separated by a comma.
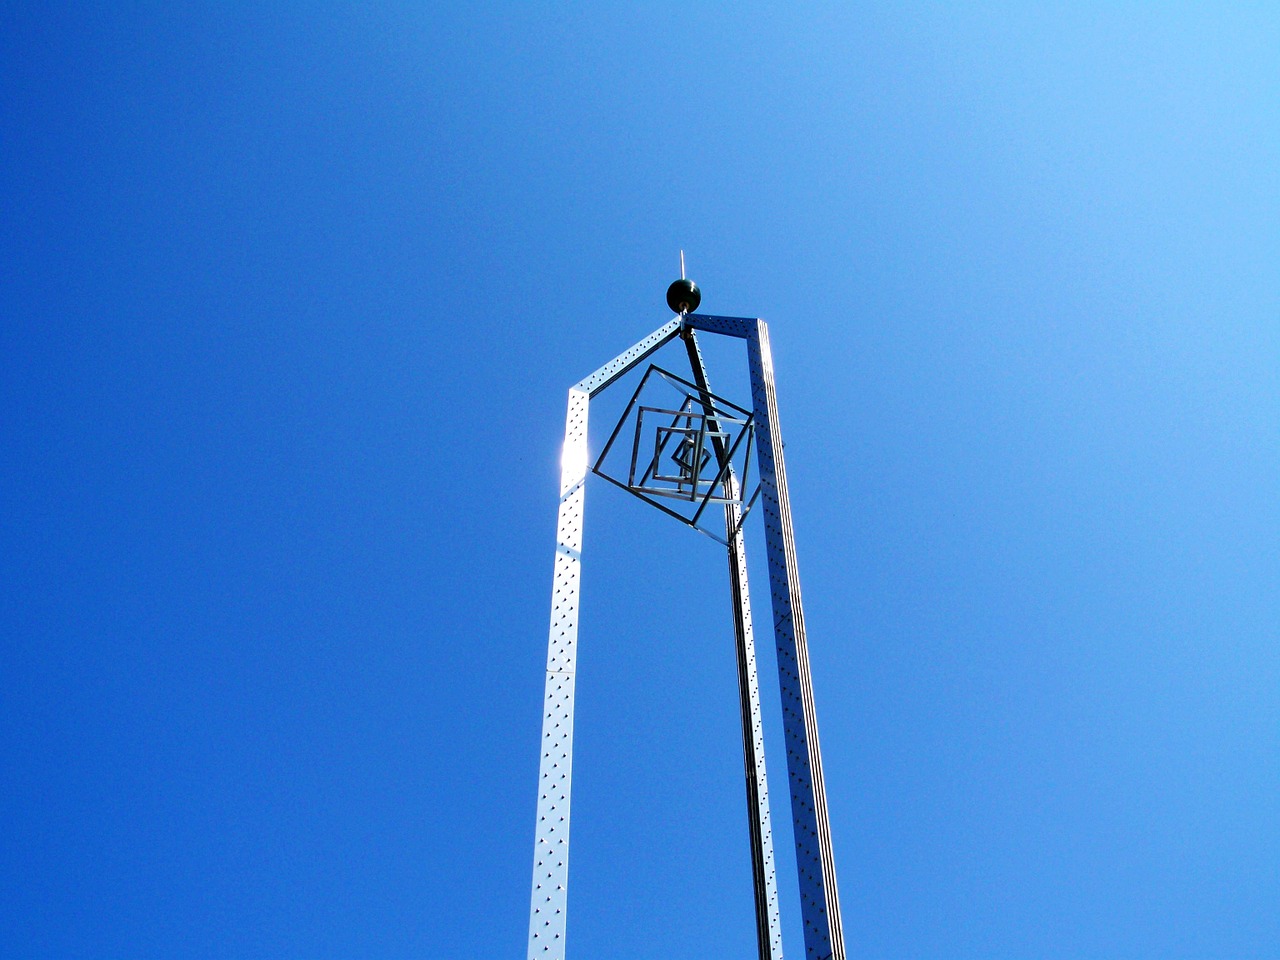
[[763, 873], [549, 899], [547, 909], [819, 900]]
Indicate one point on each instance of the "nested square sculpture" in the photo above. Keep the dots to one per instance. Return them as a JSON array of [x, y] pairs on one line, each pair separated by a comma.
[[689, 449]]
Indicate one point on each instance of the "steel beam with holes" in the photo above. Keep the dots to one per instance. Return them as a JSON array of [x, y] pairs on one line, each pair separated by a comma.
[[819, 899], [549, 900]]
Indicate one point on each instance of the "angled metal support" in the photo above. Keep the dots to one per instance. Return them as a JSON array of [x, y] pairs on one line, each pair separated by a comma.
[[549, 899], [819, 899]]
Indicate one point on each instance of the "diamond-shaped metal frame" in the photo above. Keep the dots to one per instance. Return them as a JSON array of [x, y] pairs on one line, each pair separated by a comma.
[[700, 420], [690, 455], [693, 439]]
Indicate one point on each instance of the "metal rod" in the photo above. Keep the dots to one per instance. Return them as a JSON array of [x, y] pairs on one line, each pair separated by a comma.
[[763, 870]]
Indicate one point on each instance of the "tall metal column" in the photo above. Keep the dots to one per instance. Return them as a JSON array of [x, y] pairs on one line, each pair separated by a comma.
[[547, 915], [549, 897], [763, 872], [819, 898]]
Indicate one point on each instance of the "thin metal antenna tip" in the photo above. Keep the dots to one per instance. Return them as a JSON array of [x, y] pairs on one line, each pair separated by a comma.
[[683, 295]]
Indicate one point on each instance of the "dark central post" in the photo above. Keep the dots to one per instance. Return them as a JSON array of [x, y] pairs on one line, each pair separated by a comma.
[[763, 873], [819, 898]]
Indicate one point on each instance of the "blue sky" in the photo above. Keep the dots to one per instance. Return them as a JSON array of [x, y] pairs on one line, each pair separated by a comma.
[[291, 298]]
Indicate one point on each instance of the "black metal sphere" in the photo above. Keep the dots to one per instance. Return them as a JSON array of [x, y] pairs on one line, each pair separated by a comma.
[[683, 296]]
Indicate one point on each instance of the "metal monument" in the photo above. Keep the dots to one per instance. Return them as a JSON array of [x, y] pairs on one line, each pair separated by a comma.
[[688, 452]]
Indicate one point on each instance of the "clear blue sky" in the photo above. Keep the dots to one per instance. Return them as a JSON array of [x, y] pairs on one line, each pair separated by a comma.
[[290, 298]]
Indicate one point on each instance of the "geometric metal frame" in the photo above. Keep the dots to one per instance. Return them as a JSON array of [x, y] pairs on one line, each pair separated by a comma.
[[819, 898], [687, 485]]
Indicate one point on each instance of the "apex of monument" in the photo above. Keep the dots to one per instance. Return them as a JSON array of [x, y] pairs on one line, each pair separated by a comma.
[[683, 296]]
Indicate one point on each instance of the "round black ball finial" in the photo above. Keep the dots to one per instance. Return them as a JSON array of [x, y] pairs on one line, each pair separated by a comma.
[[683, 296]]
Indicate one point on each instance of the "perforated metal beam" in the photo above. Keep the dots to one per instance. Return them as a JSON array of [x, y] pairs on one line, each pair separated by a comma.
[[819, 898], [551, 849], [549, 898]]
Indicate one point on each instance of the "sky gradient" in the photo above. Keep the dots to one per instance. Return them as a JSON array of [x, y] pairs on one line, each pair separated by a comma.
[[291, 296]]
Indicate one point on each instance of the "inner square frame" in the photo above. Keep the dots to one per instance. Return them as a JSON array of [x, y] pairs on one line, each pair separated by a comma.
[[691, 435]]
